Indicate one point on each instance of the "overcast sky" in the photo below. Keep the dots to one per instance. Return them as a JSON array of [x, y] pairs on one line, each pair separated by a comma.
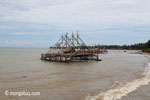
[[39, 23]]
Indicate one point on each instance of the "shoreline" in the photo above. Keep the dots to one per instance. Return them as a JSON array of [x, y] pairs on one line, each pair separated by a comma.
[[129, 87], [141, 93], [145, 53]]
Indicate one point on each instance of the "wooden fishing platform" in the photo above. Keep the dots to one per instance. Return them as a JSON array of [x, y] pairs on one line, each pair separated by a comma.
[[71, 49]]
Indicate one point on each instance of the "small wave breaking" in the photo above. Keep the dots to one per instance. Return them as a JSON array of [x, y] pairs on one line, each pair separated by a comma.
[[123, 90]]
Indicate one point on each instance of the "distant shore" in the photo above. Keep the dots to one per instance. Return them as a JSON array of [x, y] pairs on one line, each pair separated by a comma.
[[146, 53]]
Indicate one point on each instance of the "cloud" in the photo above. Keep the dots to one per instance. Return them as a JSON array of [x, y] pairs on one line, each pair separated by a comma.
[[99, 18], [15, 43], [20, 43], [71, 13], [6, 41], [26, 42]]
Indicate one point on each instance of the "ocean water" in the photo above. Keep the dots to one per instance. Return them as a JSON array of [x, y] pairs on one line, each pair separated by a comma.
[[120, 75]]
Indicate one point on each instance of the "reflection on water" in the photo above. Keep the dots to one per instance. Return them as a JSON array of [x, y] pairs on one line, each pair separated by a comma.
[[22, 69]]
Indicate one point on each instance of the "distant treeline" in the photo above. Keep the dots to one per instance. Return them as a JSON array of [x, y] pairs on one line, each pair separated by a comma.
[[145, 47], [139, 46]]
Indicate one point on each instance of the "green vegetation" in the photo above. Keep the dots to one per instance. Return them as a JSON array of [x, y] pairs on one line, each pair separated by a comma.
[[145, 47], [146, 50]]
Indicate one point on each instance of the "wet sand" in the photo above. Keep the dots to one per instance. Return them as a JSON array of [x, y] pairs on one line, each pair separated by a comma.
[[142, 93]]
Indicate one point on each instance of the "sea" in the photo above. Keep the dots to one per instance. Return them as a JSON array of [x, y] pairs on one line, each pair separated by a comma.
[[121, 75]]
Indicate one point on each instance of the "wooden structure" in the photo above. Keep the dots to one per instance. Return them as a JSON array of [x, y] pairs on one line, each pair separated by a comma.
[[72, 48]]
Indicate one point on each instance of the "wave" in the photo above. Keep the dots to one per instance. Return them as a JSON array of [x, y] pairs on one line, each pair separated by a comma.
[[124, 89]]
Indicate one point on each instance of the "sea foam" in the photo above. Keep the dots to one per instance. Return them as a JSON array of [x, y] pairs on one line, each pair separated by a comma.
[[123, 90]]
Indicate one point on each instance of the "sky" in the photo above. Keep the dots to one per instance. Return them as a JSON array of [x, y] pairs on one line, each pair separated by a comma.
[[40, 23]]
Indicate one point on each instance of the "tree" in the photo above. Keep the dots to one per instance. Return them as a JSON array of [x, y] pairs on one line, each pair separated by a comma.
[[148, 44]]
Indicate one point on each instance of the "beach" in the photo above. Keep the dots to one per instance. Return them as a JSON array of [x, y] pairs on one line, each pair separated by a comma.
[[120, 75]]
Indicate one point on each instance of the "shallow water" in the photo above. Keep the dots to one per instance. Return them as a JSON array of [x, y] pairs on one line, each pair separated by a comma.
[[22, 70]]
